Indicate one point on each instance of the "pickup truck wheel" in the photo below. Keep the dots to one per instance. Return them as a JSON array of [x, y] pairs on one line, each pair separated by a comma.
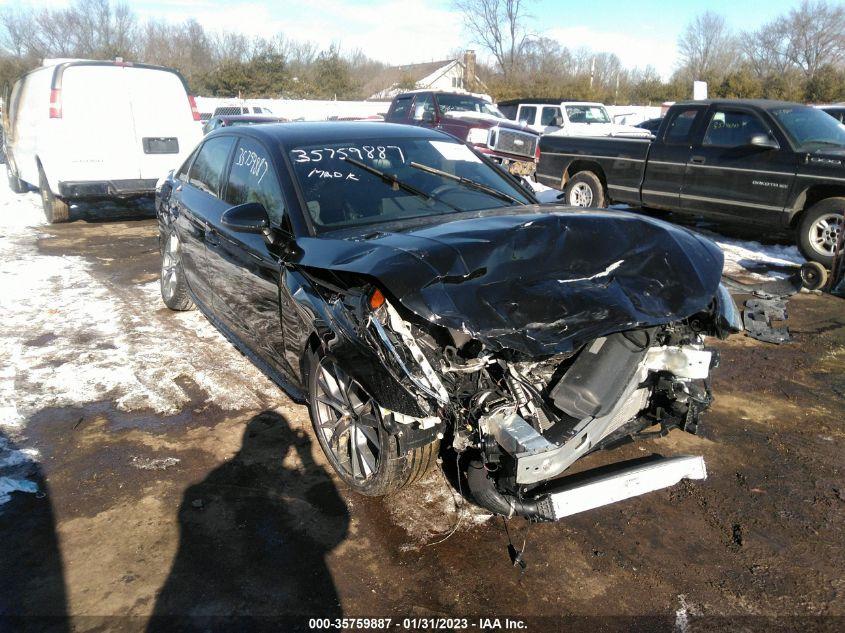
[[820, 229], [55, 209], [15, 184], [348, 425], [174, 288], [584, 189]]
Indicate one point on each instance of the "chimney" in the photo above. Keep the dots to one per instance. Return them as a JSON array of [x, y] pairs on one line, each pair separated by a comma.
[[469, 70]]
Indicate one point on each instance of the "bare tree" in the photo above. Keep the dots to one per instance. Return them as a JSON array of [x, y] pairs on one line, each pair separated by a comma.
[[499, 27], [707, 48], [816, 35]]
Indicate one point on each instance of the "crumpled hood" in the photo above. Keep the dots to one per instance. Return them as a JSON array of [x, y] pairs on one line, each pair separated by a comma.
[[541, 282]]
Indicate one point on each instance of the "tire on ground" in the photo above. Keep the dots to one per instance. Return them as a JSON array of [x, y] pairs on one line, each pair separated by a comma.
[[15, 184], [592, 181], [828, 206], [394, 470], [56, 210], [180, 300]]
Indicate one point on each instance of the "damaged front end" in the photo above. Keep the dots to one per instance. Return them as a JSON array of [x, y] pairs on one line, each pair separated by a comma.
[[523, 421], [525, 342]]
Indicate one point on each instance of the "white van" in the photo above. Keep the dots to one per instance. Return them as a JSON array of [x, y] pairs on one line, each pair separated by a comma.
[[84, 129]]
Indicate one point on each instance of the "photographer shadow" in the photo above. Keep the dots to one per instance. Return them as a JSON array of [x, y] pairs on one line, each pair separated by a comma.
[[254, 536]]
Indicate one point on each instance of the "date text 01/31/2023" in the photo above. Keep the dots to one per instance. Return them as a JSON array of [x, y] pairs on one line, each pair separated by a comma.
[[417, 624]]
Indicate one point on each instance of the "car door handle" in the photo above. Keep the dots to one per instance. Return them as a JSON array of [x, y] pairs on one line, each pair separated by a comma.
[[698, 160]]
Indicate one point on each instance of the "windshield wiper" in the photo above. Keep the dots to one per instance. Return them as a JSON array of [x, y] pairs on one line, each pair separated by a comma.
[[392, 180], [501, 195]]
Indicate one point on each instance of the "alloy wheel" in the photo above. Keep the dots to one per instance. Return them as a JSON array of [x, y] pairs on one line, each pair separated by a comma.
[[170, 260], [348, 419], [825, 232], [581, 195]]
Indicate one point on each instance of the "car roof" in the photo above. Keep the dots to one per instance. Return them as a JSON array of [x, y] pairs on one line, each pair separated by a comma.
[[304, 133], [248, 117], [765, 104]]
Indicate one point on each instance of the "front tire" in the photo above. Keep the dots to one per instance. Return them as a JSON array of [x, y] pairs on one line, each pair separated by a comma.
[[584, 189], [174, 289], [56, 210], [819, 230], [349, 426]]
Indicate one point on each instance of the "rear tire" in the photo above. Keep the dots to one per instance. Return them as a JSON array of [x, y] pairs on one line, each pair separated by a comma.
[[819, 229], [584, 189], [15, 184], [343, 413], [174, 288], [56, 210]]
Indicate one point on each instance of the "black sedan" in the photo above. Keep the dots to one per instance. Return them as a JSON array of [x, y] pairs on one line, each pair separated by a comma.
[[423, 303]]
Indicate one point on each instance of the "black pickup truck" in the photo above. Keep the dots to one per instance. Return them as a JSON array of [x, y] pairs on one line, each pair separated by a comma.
[[773, 164]]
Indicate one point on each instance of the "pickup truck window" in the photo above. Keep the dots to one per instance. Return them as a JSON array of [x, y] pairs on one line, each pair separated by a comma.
[[527, 114], [587, 114], [424, 104], [732, 128], [681, 125], [548, 116], [466, 103], [399, 111], [810, 129]]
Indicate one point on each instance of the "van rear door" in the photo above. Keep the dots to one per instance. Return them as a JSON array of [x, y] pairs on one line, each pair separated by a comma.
[[96, 135], [162, 123]]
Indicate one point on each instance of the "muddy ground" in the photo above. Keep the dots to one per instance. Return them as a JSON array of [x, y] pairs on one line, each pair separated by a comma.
[[219, 513]]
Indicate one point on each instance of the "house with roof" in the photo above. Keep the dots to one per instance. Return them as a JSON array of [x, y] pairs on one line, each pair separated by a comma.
[[447, 74]]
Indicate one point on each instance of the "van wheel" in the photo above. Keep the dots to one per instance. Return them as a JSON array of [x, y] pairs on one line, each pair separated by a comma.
[[55, 209], [584, 189], [819, 230], [15, 184], [349, 426]]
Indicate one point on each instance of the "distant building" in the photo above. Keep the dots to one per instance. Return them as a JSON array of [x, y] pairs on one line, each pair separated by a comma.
[[448, 74]]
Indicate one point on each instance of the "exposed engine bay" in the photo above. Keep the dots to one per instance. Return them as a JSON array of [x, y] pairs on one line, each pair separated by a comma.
[[523, 421]]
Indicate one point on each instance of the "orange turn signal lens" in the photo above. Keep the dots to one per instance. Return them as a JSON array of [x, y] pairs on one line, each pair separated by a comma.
[[376, 299]]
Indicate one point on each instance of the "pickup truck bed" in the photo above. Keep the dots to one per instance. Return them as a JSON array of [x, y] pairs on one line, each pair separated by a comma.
[[772, 164]]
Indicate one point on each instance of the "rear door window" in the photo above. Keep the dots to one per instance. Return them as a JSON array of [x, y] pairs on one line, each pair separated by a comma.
[[681, 126], [548, 116], [207, 169], [399, 109], [423, 105], [253, 179], [182, 174], [527, 114]]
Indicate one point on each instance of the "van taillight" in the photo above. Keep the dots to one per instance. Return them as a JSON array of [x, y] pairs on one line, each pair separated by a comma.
[[194, 112], [55, 104]]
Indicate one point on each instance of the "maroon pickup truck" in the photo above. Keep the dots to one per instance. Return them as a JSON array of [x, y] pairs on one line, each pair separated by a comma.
[[473, 120]]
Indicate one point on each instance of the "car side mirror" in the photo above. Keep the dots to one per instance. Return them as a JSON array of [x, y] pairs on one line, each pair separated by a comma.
[[250, 217], [427, 117], [558, 121], [763, 141]]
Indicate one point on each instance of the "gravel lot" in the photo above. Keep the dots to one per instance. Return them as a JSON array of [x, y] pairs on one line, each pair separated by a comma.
[[146, 468]]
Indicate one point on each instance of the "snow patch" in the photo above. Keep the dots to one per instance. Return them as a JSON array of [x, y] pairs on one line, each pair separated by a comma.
[[72, 337]]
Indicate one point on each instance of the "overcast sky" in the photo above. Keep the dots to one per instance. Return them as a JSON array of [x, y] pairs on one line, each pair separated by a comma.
[[641, 33]]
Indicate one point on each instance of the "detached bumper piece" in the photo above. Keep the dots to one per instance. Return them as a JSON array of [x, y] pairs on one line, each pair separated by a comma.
[[624, 484], [107, 188]]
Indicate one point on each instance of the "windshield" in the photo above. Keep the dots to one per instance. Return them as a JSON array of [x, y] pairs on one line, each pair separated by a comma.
[[340, 194], [587, 114], [467, 103], [810, 129]]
